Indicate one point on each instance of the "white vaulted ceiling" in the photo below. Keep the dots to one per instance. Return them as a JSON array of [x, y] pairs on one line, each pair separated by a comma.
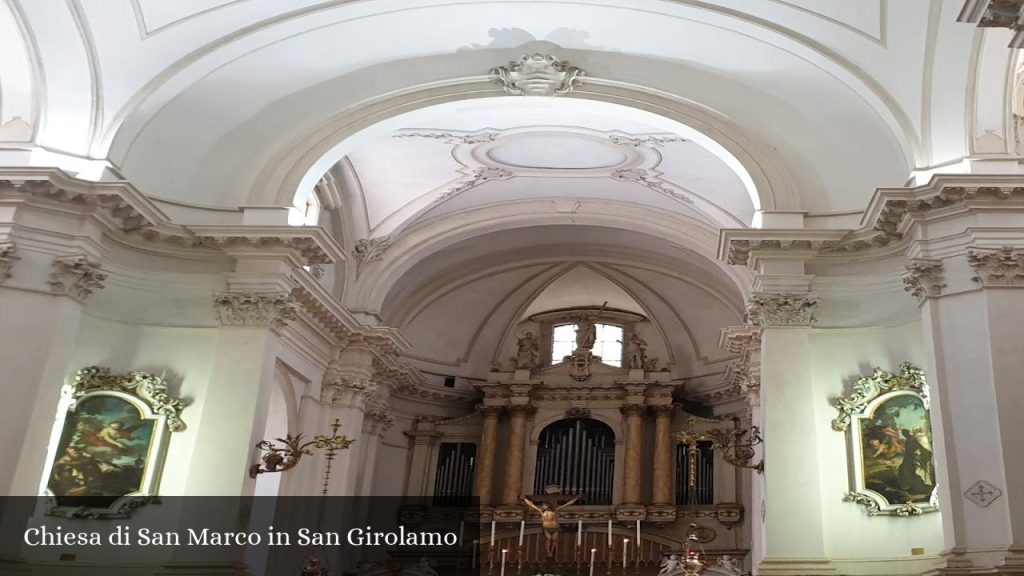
[[692, 116]]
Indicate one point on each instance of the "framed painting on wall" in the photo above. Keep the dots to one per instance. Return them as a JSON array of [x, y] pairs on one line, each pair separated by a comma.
[[112, 443], [888, 423]]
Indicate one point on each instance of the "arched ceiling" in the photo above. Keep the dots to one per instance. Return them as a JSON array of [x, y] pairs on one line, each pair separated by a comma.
[[459, 307], [226, 103]]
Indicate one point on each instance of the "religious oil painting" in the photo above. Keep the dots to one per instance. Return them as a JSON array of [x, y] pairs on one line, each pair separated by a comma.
[[112, 443], [889, 426]]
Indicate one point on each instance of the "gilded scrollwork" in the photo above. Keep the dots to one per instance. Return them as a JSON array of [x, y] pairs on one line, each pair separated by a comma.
[[867, 388]]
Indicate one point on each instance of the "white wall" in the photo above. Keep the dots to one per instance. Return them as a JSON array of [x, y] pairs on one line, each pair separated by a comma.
[[838, 358]]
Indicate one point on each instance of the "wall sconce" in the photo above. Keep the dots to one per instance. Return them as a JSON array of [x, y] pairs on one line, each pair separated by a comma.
[[735, 444], [285, 453]]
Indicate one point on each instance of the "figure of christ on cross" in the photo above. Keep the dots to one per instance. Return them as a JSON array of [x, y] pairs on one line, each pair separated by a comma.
[[549, 522]]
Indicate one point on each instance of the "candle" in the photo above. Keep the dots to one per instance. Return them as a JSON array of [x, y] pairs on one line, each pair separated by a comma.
[[625, 551], [504, 554], [637, 533], [579, 533], [492, 532], [462, 528], [522, 532], [593, 552], [609, 533]]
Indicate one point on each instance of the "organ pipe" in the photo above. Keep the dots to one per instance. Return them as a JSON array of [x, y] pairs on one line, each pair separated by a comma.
[[578, 455], [453, 482]]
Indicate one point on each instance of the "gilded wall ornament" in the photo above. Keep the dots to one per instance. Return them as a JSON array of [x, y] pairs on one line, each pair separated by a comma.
[[112, 444], [538, 75], [890, 437]]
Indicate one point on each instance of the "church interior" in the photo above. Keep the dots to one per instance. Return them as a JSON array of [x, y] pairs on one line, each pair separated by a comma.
[[639, 287]]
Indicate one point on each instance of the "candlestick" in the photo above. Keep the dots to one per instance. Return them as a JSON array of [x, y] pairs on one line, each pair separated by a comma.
[[637, 533], [493, 524], [609, 533], [579, 533], [504, 554], [522, 532], [625, 552], [593, 554]]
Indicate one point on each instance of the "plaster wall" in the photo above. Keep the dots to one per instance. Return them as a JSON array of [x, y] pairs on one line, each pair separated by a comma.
[[838, 357]]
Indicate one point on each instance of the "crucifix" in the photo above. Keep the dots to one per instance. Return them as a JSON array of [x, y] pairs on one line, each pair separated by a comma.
[[548, 506]]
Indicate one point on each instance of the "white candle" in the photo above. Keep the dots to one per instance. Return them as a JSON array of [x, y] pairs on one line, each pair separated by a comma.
[[492, 532], [579, 534], [504, 554], [625, 551], [637, 533], [593, 552], [522, 532], [609, 533]]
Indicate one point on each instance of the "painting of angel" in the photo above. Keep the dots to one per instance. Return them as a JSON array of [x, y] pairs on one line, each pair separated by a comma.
[[103, 450]]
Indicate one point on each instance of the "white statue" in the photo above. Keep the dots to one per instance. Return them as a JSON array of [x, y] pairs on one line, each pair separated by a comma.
[[636, 351], [527, 351], [670, 565], [729, 564]]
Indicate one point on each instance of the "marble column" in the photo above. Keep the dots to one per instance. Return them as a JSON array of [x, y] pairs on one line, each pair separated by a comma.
[[664, 450], [513, 487], [632, 478], [483, 487]]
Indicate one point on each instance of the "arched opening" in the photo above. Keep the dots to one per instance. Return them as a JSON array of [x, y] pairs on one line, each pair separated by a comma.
[[577, 455]]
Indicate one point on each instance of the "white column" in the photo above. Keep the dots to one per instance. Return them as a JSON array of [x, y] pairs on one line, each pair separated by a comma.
[[974, 328], [791, 539], [377, 422]]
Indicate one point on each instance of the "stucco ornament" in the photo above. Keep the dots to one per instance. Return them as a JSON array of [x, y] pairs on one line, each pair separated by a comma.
[[8, 254], [271, 309], [997, 266], [76, 276], [924, 278], [781, 309], [538, 75], [370, 250]]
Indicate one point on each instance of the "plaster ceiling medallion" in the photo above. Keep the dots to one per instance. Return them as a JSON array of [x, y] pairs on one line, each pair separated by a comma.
[[538, 75], [556, 151]]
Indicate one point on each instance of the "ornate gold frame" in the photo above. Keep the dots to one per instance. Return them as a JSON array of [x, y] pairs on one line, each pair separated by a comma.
[[868, 393], [147, 393]]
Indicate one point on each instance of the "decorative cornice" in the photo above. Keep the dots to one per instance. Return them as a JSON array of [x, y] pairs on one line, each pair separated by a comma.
[[996, 14], [370, 250], [272, 309], [8, 254], [770, 309], [76, 276], [538, 75], [122, 209], [997, 266], [889, 215], [924, 278]]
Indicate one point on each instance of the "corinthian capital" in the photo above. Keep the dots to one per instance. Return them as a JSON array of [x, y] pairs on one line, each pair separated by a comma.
[[781, 309], [271, 309], [77, 276], [997, 266], [7, 257], [924, 278]]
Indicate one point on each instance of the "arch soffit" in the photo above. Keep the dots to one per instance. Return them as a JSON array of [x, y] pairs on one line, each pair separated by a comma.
[[615, 425], [370, 292]]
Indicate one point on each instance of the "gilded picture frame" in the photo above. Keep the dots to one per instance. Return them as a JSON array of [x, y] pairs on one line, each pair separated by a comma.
[[888, 425], [111, 445]]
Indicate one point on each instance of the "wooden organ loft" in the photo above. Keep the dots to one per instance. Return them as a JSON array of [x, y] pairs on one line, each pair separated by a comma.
[[609, 438]]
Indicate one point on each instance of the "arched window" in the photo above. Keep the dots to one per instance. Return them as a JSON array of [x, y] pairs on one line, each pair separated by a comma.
[[579, 456], [607, 345]]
